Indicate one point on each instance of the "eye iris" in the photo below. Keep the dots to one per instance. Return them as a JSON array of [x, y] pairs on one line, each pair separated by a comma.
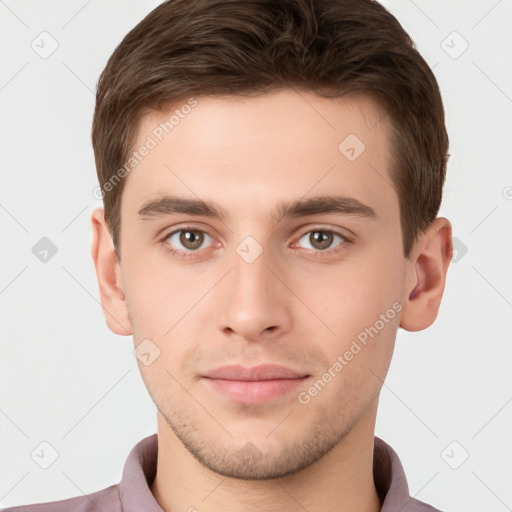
[[191, 239], [321, 239]]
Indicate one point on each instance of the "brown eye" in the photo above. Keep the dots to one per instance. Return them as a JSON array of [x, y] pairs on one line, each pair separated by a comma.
[[321, 240], [187, 239], [191, 239]]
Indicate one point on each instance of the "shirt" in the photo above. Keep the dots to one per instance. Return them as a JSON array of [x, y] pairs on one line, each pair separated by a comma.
[[133, 493]]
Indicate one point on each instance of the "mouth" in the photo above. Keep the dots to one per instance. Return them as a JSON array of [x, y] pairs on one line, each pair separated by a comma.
[[256, 385]]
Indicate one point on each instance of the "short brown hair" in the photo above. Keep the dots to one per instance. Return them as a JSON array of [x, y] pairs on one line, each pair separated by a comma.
[[187, 48]]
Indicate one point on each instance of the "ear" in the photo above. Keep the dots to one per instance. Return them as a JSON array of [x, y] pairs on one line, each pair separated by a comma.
[[426, 276], [108, 273]]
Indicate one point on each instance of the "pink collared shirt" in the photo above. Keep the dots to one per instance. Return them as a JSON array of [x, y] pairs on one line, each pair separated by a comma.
[[133, 493]]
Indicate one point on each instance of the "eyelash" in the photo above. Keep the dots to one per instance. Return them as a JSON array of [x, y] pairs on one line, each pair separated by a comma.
[[337, 249], [176, 252], [191, 254]]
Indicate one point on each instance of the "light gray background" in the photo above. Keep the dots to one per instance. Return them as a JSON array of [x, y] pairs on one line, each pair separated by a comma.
[[67, 380]]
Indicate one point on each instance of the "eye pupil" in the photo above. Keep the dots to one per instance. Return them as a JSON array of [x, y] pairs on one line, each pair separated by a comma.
[[191, 239], [321, 239]]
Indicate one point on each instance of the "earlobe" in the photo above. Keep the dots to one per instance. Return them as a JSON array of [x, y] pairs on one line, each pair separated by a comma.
[[108, 273], [426, 279]]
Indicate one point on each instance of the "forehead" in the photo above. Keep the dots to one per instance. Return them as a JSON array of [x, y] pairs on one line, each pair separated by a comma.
[[245, 152]]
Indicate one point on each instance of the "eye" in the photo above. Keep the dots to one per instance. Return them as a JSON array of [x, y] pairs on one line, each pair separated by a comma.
[[322, 239], [188, 240]]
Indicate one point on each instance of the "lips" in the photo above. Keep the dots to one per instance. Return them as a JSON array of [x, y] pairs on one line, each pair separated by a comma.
[[261, 372], [254, 385]]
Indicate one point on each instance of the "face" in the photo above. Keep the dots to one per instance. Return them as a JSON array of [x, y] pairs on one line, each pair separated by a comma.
[[262, 265]]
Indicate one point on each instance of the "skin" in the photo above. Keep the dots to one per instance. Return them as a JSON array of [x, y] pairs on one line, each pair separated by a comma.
[[299, 304]]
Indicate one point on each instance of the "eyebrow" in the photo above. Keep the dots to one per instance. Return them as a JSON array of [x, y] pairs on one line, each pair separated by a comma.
[[173, 205]]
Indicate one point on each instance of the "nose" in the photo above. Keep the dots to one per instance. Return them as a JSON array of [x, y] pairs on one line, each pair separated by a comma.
[[252, 301]]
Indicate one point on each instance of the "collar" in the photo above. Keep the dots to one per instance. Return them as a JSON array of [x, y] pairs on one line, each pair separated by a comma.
[[140, 471]]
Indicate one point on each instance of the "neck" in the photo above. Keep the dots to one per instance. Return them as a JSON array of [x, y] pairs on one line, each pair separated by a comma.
[[341, 480]]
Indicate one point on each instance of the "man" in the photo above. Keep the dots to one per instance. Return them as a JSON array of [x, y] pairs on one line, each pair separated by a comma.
[[271, 174]]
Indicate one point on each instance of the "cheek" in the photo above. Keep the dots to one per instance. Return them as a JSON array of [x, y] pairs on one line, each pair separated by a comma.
[[163, 304], [359, 302], [162, 294], [354, 294], [356, 371]]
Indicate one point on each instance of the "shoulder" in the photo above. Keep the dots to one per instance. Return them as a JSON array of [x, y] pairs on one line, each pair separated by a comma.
[[391, 482], [414, 505], [106, 500]]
